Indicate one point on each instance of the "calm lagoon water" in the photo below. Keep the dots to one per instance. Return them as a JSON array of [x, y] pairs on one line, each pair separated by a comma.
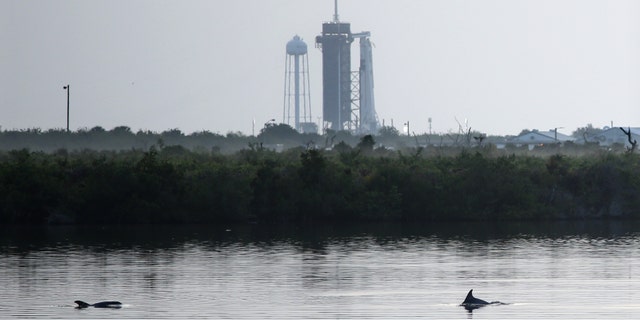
[[551, 271]]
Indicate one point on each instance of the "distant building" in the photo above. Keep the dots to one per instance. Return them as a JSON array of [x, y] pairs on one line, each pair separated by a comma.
[[614, 136], [539, 138]]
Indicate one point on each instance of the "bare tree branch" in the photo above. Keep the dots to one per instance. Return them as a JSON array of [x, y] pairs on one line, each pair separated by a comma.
[[633, 142]]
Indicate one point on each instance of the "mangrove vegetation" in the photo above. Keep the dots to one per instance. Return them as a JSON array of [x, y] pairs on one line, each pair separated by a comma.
[[163, 184]]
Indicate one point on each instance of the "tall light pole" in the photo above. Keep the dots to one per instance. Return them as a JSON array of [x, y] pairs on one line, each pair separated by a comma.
[[555, 135], [68, 88]]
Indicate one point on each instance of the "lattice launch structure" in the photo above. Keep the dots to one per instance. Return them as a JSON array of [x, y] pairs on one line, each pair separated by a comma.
[[348, 96]]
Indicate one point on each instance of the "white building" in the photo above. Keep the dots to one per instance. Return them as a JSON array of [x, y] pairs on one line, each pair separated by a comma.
[[615, 136], [540, 138]]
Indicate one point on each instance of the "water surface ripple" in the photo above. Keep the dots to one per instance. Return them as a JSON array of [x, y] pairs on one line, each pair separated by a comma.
[[377, 272]]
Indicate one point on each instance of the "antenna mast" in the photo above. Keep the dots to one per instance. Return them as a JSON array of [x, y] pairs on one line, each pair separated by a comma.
[[335, 13]]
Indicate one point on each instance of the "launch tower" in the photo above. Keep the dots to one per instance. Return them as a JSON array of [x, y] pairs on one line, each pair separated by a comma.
[[348, 102]]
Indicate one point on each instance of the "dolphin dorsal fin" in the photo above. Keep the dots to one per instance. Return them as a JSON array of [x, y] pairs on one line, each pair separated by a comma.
[[469, 296], [82, 304]]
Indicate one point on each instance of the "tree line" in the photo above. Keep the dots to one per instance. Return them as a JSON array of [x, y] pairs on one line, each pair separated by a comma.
[[273, 136], [172, 184]]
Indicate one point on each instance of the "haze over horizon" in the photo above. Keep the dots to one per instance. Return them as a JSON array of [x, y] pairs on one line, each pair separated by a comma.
[[500, 65]]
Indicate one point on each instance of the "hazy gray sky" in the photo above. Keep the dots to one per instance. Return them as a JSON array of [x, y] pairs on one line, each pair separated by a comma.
[[503, 65]]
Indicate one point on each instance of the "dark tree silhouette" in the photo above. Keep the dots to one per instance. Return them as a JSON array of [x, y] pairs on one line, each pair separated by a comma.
[[366, 143], [633, 142]]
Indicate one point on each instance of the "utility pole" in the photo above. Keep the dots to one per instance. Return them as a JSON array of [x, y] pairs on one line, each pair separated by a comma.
[[555, 132], [68, 88]]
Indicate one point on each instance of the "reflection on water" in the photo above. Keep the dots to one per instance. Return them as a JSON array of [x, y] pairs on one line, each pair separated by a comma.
[[554, 270]]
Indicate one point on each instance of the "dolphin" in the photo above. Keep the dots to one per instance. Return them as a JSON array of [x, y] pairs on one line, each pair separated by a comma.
[[471, 303], [103, 304], [470, 299]]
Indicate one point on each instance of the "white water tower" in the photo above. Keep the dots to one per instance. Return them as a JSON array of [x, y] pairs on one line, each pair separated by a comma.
[[296, 88]]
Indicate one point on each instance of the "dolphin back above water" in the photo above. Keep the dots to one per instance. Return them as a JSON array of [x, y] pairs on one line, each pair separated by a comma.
[[103, 304], [470, 299], [470, 302]]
